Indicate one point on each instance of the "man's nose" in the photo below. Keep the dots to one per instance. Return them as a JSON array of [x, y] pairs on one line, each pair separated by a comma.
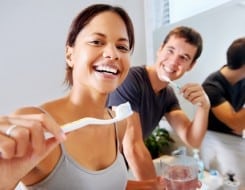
[[174, 60]]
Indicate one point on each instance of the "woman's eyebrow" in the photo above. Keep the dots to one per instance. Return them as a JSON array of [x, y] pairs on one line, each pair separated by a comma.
[[103, 35]]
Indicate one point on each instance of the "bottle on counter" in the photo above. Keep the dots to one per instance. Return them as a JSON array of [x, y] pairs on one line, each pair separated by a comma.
[[213, 180], [200, 164], [180, 151]]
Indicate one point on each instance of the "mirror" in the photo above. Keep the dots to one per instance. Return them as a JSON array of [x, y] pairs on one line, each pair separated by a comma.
[[219, 27]]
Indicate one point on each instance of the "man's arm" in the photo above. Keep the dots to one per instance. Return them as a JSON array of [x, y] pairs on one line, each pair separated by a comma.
[[135, 151], [191, 132], [226, 114]]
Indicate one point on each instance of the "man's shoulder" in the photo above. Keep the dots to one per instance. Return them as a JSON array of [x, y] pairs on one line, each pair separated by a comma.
[[138, 72], [213, 78], [137, 69]]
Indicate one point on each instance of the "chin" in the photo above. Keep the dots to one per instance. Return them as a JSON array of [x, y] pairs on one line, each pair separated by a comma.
[[103, 89]]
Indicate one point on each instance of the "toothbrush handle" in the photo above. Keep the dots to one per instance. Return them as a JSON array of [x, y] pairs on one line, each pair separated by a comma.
[[79, 124]]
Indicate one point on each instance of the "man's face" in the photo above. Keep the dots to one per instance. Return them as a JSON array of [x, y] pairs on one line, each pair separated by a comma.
[[175, 58]]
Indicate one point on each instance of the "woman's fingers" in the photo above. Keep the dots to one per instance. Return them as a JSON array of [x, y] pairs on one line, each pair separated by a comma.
[[7, 147], [39, 120], [21, 137], [22, 133]]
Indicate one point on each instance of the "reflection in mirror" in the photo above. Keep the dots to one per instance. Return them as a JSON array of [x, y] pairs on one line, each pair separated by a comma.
[[219, 27]]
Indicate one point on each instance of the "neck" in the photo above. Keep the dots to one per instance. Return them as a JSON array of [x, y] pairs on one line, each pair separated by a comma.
[[91, 103], [233, 76], [156, 83]]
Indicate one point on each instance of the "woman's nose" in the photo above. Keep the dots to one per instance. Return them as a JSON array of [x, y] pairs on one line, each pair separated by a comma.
[[111, 53]]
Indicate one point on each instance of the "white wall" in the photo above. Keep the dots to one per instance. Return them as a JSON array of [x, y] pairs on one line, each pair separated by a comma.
[[219, 27], [183, 9], [32, 37]]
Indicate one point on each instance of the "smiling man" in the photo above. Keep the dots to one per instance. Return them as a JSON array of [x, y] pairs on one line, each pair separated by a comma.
[[147, 90]]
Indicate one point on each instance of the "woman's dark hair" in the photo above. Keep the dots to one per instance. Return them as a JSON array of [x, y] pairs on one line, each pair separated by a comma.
[[84, 17], [190, 35], [235, 54]]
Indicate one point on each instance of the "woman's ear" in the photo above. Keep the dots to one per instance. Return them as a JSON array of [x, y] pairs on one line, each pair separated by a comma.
[[69, 51]]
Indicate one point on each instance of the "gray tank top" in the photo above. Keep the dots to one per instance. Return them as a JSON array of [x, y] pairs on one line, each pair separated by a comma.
[[69, 175]]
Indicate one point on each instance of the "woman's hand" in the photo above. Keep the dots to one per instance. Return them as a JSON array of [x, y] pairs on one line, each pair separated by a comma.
[[27, 131], [151, 184], [23, 145]]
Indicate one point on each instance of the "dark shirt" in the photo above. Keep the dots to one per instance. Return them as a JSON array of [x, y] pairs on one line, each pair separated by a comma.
[[137, 90], [220, 90]]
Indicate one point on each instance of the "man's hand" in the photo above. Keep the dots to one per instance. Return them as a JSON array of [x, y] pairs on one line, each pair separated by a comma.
[[194, 93]]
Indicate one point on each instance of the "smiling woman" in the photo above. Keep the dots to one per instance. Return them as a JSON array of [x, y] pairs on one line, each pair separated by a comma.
[[32, 47], [93, 47]]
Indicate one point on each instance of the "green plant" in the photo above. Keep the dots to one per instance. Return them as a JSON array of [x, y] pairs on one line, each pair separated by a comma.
[[158, 141]]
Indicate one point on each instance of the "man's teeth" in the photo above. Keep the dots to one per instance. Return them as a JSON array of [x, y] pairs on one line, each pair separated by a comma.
[[168, 70], [106, 69]]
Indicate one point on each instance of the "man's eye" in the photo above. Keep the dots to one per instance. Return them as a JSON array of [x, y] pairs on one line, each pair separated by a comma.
[[170, 51], [185, 59]]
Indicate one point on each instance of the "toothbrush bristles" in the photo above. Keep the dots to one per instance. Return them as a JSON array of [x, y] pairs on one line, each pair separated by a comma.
[[170, 82]]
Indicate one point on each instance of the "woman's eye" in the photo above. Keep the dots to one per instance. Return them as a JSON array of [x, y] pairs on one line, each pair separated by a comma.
[[123, 48], [96, 42]]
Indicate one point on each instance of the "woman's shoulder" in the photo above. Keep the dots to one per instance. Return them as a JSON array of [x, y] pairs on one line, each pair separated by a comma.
[[28, 110], [36, 109], [46, 109]]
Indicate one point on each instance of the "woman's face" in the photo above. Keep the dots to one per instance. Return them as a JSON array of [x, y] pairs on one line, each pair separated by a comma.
[[100, 57]]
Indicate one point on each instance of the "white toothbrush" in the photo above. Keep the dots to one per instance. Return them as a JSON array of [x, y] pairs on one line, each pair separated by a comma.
[[122, 111], [165, 78]]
